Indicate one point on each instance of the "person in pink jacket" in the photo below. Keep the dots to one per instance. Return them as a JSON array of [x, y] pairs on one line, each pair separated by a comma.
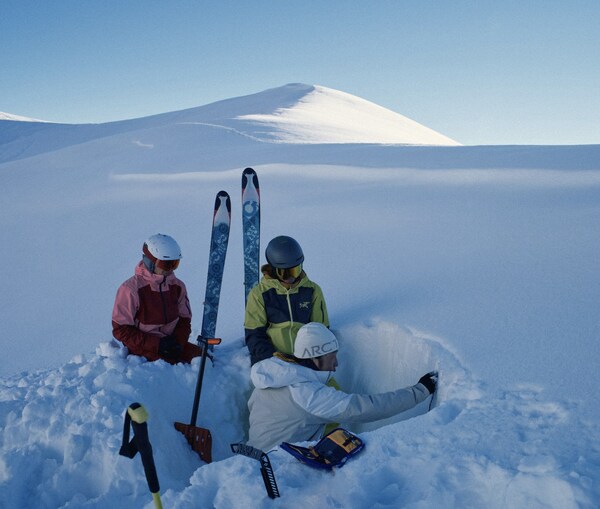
[[152, 315]]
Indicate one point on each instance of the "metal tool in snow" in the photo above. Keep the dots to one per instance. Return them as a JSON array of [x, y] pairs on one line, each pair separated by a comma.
[[199, 438], [265, 466]]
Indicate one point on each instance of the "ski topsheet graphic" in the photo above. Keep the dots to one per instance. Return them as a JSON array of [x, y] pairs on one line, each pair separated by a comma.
[[216, 262], [251, 229]]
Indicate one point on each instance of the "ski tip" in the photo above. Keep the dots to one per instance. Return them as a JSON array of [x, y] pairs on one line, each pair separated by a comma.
[[250, 182], [249, 174], [222, 208], [223, 197]]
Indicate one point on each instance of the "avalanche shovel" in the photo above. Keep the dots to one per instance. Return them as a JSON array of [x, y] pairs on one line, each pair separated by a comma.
[[199, 438]]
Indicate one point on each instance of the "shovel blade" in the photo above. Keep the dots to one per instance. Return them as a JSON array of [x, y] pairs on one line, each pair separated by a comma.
[[199, 438]]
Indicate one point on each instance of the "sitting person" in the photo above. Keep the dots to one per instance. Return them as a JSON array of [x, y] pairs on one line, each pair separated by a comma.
[[292, 402], [283, 301], [151, 315]]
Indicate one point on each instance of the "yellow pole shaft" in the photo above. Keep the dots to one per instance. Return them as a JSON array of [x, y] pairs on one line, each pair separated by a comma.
[[157, 501]]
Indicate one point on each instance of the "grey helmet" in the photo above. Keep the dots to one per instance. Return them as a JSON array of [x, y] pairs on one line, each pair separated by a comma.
[[284, 252]]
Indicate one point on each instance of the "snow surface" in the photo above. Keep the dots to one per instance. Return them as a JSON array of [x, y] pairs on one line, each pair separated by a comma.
[[329, 116], [293, 114], [17, 118], [481, 262]]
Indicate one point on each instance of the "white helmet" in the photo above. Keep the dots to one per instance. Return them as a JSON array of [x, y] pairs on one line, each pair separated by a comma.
[[314, 340], [163, 247], [161, 251]]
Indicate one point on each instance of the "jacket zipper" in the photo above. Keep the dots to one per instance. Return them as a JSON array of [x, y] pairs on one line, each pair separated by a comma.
[[291, 327], [162, 299]]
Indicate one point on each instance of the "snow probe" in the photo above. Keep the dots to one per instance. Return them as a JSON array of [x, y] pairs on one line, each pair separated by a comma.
[[199, 438], [137, 416], [265, 466]]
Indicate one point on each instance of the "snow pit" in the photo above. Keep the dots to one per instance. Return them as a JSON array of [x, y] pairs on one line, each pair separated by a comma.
[[383, 356]]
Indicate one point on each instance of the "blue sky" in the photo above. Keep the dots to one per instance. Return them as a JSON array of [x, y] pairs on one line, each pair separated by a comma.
[[479, 71]]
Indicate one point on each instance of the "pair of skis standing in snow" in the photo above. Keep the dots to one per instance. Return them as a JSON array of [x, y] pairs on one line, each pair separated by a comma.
[[218, 247]]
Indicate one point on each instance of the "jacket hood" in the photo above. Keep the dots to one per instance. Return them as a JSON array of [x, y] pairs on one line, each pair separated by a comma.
[[274, 373]]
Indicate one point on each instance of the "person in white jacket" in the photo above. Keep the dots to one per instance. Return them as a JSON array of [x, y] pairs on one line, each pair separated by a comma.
[[292, 402]]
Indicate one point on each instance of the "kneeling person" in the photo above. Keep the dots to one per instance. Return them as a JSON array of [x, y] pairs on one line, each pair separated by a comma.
[[292, 402]]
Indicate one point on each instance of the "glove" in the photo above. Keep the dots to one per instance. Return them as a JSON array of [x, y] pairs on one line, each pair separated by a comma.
[[169, 348], [429, 381], [189, 352]]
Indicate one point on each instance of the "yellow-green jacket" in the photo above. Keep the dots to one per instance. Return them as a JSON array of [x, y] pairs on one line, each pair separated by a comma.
[[274, 313]]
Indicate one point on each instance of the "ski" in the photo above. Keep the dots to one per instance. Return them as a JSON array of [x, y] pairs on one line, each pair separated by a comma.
[[200, 438], [251, 229], [216, 263]]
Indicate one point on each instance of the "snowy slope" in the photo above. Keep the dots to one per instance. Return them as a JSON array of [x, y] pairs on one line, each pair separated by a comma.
[[324, 115], [294, 113], [479, 261], [17, 118]]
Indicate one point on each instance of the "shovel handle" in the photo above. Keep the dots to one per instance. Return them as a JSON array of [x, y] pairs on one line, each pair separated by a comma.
[[204, 344]]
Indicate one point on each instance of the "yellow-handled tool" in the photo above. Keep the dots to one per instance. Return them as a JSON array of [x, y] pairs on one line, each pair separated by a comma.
[[137, 417]]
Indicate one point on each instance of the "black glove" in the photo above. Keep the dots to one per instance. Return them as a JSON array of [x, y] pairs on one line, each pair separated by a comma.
[[169, 348], [429, 381]]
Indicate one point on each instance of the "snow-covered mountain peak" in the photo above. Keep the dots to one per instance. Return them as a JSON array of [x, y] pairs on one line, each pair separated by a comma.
[[302, 113], [294, 114], [17, 118]]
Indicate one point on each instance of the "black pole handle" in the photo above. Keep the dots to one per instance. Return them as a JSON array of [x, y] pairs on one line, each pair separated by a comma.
[[138, 416], [203, 343]]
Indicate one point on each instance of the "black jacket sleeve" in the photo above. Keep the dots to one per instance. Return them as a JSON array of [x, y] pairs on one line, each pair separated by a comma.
[[259, 345]]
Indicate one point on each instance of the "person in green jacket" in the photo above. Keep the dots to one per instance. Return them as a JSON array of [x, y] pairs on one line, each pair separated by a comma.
[[283, 301]]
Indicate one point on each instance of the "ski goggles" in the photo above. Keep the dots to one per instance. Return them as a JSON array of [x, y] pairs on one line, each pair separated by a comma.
[[289, 273], [166, 264]]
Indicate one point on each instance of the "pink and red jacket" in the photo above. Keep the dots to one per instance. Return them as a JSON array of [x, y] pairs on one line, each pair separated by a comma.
[[149, 307]]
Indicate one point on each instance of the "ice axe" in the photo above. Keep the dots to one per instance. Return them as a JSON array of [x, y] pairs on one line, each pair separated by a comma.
[[199, 438]]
